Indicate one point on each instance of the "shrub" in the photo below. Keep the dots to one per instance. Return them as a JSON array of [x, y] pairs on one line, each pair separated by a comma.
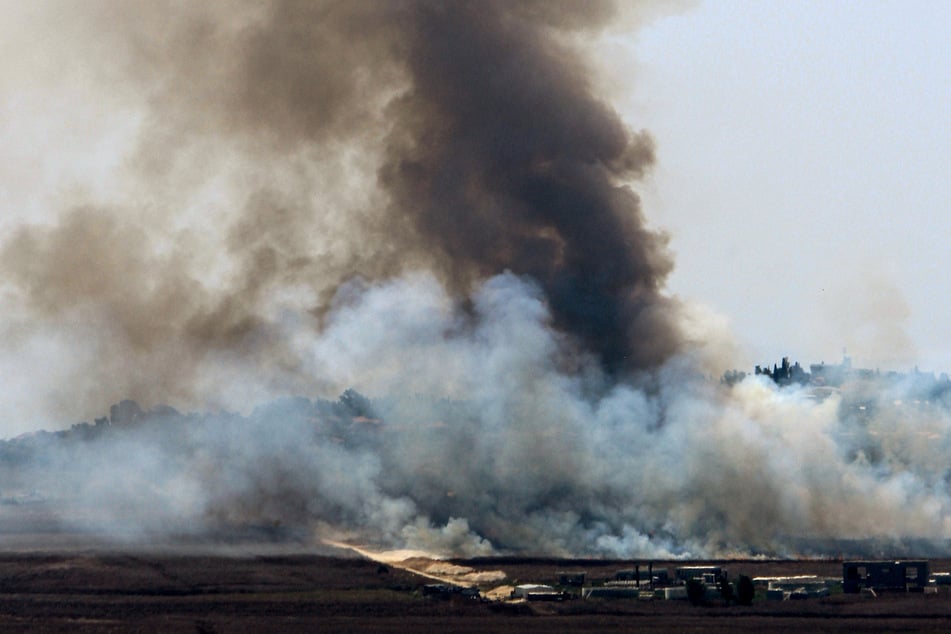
[[745, 590], [696, 591], [726, 591]]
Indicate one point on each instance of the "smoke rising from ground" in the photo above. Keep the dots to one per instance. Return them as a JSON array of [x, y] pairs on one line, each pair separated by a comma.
[[423, 201], [514, 455]]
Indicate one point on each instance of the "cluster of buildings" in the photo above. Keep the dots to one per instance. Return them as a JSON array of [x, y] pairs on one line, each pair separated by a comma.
[[649, 582]]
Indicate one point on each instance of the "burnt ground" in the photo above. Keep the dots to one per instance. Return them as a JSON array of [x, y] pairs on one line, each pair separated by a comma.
[[96, 591]]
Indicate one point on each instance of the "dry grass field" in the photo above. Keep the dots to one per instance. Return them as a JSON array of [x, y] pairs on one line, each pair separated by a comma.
[[134, 592]]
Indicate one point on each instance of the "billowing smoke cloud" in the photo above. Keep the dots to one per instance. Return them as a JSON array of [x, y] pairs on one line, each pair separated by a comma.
[[514, 455], [423, 201], [282, 149], [503, 160]]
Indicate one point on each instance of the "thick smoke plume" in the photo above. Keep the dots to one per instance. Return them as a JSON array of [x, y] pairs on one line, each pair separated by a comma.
[[282, 149], [426, 202]]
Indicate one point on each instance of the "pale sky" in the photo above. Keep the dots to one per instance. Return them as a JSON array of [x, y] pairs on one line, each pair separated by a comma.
[[803, 159]]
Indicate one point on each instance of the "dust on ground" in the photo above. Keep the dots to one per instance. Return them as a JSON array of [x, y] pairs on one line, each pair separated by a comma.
[[427, 565]]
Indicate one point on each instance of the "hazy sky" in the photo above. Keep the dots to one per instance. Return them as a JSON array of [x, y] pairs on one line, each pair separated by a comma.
[[803, 159]]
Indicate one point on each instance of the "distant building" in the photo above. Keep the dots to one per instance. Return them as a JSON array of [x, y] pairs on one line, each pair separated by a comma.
[[537, 592], [648, 575], [611, 592], [799, 587], [885, 576], [709, 575], [919, 388]]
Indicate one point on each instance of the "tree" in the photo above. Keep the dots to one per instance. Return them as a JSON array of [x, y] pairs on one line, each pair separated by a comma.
[[745, 591], [726, 591], [696, 591], [356, 404]]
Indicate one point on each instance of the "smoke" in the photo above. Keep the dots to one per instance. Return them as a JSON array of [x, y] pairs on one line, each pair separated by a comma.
[[429, 203], [870, 313], [503, 160], [488, 444], [271, 152]]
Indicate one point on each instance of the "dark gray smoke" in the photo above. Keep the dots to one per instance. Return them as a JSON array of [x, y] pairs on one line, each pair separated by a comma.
[[502, 159]]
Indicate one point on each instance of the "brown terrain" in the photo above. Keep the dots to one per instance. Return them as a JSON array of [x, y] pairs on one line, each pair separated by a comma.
[[97, 591]]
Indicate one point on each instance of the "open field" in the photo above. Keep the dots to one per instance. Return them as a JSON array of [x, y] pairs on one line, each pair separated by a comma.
[[97, 591]]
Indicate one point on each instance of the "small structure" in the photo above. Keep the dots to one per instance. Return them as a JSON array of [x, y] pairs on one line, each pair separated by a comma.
[[885, 576], [708, 575], [610, 592], [537, 592], [940, 579], [800, 587], [646, 575]]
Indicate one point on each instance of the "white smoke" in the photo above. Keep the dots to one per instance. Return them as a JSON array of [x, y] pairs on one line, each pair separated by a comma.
[[530, 454]]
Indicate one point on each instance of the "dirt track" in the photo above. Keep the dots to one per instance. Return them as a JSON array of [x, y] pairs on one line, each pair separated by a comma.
[[297, 593]]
